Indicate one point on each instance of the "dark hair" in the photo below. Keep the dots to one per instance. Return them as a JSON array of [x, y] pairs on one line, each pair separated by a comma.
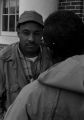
[[64, 34]]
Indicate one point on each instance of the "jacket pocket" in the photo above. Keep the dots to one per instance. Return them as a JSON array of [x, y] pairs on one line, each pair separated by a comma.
[[14, 88], [13, 92]]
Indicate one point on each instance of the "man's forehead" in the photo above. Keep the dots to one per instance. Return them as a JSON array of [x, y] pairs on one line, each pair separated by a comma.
[[31, 26]]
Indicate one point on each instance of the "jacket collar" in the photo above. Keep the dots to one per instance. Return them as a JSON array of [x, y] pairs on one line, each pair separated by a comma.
[[11, 53]]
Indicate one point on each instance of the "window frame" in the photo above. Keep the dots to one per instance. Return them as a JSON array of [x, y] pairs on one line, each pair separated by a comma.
[[8, 33]]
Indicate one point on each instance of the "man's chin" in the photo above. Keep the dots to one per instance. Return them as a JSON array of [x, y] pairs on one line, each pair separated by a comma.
[[32, 50], [31, 53]]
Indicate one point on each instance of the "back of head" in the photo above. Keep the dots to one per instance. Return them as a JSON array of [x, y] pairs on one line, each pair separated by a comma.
[[64, 34]]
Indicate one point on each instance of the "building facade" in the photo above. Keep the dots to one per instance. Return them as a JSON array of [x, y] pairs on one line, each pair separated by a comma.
[[11, 9], [9, 13], [76, 6]]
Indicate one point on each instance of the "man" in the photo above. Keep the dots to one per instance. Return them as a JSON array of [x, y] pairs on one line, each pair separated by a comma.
[[58, 94], [22, 62]]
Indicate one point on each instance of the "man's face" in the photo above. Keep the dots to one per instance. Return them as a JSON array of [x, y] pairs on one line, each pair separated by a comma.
[[30, 35]]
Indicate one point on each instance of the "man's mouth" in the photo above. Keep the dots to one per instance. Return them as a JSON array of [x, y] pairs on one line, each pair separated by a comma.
[[29, 45]]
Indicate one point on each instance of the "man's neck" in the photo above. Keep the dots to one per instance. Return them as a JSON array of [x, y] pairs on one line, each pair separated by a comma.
[[31, 59], [30, 55]]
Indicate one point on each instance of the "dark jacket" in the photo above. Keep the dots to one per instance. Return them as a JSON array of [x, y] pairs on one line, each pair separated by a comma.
[[12, 77], [58, 94]]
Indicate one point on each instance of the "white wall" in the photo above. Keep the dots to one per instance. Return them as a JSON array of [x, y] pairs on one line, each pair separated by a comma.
[[45, 7], [0, 15], [8, 39]]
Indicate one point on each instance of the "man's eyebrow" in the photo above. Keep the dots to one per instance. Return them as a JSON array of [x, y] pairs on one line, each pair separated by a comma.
[[26, 30], [38, 31]]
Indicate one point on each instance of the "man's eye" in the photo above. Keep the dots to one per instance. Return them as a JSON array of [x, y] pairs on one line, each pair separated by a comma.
[[37, 33], [26, 32]]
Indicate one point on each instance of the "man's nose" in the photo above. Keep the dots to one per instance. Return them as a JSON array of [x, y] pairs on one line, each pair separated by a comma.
[[31, 37]]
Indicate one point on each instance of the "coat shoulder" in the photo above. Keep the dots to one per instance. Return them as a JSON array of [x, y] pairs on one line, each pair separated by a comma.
[[8, 51]]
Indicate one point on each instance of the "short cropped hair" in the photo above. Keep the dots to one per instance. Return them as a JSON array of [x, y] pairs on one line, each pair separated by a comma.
[[64, 33]]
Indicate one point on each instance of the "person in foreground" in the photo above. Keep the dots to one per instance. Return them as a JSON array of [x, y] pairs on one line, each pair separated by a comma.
[[58, 94], [22, 62]]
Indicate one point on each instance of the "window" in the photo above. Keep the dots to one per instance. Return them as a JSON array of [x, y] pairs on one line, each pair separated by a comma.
[[10, 14]]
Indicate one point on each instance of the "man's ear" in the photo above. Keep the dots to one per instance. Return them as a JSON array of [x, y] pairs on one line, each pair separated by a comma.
[[18, 30]]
